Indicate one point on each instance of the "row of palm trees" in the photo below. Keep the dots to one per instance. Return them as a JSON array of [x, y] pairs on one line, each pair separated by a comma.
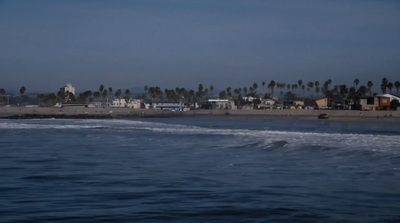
[[4, 98], [299, 89], [22, 91], [103, 95]]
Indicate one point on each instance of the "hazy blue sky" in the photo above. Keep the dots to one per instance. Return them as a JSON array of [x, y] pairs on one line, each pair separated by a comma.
[[45, 44]]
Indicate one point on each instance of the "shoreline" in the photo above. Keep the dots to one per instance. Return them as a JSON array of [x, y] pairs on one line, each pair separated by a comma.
[[121, 113]]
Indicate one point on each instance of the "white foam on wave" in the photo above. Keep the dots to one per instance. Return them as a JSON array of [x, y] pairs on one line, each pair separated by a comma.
[[375, 142], [44, 125]]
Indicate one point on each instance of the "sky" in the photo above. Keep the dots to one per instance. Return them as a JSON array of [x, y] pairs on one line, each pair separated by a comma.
[[45, 44]]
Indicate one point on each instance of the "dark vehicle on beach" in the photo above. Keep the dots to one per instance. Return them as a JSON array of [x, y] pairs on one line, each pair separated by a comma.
[[323, 116]]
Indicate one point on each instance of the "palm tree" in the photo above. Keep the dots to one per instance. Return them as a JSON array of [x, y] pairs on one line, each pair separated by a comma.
[[101, 88], [200, 88], [316, 87], [118, 93], [352, 94], [271, 86], [159, 93], [223, 95], [327, 83], [369, 85], [310, 85], [255, 86], [152, 94], [343, 90], [362, 90], [390, 86], [384, 84], [245, 91], [96, 94], [294, 87], [146, 90], [127, 95], [263, 84], [22, 90], [397, 86], [283, 85], [3, 94], [300, 82], [278, 85], [325, 88], [356, 82], [228, 91], [251, 90], [104, 94]]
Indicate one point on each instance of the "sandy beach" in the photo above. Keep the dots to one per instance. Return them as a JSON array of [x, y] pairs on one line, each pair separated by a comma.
[[74, 112]]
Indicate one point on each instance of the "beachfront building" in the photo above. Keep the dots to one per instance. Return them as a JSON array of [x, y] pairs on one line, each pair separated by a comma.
[[119, 103], [134, 104], [338, 102], [322, 103], [267, 103], [249, 98], [226, 104], [390, 96], [67, 88], [384, 102], [369, 103], [386, 99], [298, 104]]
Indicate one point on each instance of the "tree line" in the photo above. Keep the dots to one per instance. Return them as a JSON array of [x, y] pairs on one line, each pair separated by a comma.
[[298, 90]]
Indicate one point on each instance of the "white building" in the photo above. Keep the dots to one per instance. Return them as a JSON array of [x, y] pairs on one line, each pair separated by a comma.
[[391, 96], [222, 104], [68, 87], [134, 103], [266, 103], [119, 103], [298, 103], [249, 98]]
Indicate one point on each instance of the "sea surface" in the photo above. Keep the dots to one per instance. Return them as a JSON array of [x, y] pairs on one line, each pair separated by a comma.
[[199, 170]]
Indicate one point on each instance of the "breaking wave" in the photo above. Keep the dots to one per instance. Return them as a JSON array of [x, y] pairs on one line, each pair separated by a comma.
[[249, 138]]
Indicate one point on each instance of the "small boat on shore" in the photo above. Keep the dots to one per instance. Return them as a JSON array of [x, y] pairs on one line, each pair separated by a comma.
[[323, 116]]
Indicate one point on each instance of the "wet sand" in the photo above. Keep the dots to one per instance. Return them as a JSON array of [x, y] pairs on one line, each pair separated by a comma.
[[81, 112]]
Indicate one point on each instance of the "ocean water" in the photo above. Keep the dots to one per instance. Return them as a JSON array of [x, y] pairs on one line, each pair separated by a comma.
[[199, 170]]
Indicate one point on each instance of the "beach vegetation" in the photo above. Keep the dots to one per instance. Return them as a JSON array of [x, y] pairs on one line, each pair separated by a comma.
[[397, 86], [48, 100], [356, 82], [22, 90]]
